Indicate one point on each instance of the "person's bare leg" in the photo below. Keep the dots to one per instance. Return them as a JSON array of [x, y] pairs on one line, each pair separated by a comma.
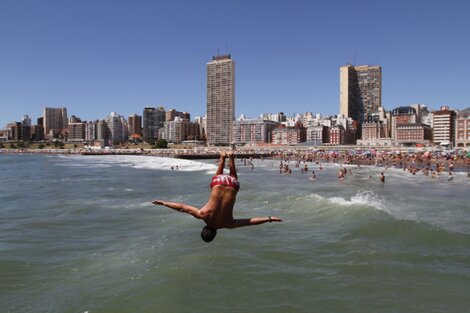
[[220, 169], [231, 164]]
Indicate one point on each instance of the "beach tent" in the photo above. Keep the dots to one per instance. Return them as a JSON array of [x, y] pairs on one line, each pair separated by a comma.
[[468, 154]]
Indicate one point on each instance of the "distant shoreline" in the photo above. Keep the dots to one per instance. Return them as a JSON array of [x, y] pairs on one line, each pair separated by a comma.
[[383, 159], [208, 153]]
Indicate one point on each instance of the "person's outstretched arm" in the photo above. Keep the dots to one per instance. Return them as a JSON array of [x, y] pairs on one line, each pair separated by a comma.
[[254, 221], [181, 207]]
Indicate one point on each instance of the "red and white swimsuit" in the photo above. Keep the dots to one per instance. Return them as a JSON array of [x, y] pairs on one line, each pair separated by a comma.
[[225, 180]]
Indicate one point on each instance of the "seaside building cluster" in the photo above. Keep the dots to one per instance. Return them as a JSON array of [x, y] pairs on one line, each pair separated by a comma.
[[362, 120]]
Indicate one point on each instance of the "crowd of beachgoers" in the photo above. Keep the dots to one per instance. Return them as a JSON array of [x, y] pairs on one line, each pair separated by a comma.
[[431, 163]]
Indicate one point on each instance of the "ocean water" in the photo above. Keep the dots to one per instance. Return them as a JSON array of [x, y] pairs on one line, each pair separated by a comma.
[[79, 234]]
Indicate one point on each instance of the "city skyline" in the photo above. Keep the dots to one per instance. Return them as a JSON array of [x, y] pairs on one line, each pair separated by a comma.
[[81, 56]]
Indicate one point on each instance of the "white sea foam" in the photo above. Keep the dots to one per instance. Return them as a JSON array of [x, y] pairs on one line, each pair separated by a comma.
[[139, 162], [362, 197]]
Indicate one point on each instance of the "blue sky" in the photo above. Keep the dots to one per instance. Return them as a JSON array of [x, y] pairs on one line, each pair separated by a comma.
[[95, 57]]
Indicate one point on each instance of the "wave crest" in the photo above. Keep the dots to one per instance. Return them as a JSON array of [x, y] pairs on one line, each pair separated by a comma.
[[139, 162], [362, 197]]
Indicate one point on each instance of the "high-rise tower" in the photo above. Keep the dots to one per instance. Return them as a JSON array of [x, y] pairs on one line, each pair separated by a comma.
[[360, 91], [220, 100]]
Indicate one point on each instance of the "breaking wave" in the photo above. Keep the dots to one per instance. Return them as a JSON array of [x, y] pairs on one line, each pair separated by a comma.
[[138, 162], [362, 197]]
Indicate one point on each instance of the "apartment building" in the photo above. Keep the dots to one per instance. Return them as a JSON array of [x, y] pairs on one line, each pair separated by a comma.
[[220, 108]]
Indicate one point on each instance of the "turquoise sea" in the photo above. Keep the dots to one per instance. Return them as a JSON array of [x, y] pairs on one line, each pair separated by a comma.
[[79, 234]]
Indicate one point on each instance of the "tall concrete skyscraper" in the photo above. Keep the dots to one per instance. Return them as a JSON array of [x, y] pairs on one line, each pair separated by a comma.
[[220, 107], [360, 91]]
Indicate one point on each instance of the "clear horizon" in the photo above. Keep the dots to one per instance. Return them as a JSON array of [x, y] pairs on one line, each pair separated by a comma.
[[119, 56]]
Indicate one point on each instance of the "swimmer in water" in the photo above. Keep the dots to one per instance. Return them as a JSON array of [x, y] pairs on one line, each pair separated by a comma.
[[218, 211]]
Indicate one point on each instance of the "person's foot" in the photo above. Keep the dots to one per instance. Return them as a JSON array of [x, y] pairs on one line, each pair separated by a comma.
[[223, 154], [231, 155]]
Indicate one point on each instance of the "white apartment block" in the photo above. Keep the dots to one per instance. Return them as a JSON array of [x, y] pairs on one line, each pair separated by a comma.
[[443, 122]]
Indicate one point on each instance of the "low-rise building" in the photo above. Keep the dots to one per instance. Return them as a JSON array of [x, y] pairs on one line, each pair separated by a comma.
[[253, 131], [289, 135], [402, 116], [318, 135], [413, 134], [337, 135]]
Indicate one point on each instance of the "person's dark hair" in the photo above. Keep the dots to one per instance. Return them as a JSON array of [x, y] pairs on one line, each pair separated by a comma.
[[208, 233]]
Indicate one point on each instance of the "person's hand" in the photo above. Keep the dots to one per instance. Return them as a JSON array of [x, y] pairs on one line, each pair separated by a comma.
[[158, 202], [274, 219]]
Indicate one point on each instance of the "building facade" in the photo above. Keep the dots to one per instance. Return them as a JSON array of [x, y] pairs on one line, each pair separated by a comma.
[[172, 114], [90, 131], [413, 134], [179, 130], [116, 127], [220, 107], [102, 131], [54, 121], [443, 122], [360, 91], [16, 131], [134, 123], [402, 116], [373, 130], [289, 135], [253, 131], [337, 134], [462, 130], [153, 119], [76, 132], [37, 132], [318, 135]]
